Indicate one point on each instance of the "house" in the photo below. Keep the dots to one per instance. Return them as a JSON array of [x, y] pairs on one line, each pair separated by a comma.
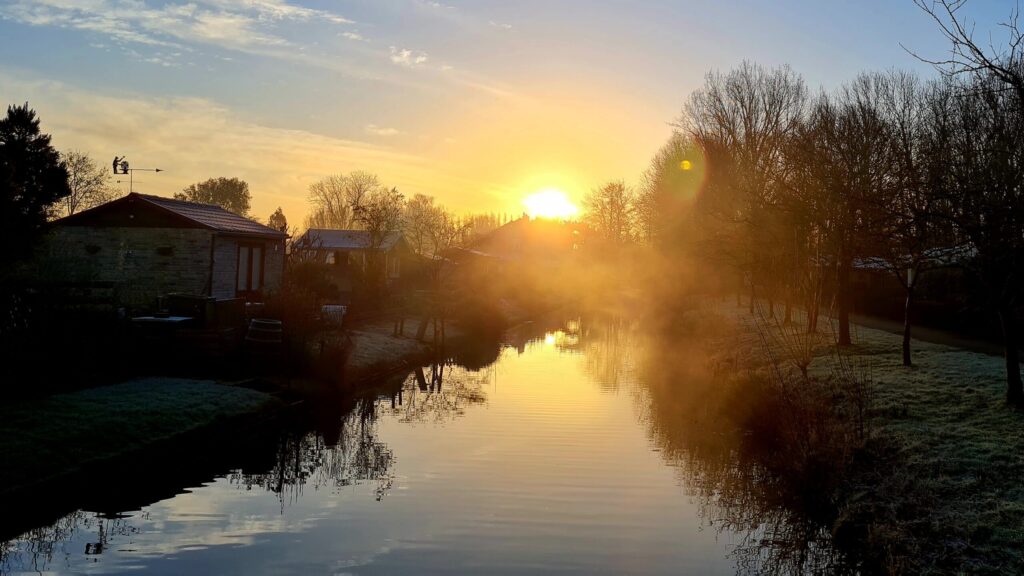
[[351, 250], [138, 248], [537, 243]]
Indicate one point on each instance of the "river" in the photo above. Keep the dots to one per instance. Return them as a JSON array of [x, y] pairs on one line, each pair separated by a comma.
[[546, 459]]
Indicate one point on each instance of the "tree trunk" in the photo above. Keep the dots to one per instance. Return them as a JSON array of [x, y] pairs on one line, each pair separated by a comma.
[[812, 316], [906, 327], [1014, 389], [843, 297]]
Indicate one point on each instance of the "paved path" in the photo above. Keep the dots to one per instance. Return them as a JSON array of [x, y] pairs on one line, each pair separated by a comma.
[[930, 335]]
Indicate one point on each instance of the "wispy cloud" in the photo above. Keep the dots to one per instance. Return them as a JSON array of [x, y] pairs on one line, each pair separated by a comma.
[[380, 130], [355, 36], [500, 25], [233, 24], [406, 57], [195, 138]]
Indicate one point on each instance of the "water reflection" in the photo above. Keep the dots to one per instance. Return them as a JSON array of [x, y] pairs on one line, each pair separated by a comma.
[[523, 458], [311, 459]]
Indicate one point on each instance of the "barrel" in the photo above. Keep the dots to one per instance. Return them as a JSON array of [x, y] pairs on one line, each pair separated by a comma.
[[264, 331]]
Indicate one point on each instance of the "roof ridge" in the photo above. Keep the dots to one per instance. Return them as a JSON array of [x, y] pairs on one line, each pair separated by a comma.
[[189, 202]]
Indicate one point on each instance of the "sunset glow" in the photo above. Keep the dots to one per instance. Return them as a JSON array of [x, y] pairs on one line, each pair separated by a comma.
[[550, 203]]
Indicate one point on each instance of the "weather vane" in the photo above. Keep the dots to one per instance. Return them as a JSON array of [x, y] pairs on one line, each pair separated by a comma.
[[120, 166]]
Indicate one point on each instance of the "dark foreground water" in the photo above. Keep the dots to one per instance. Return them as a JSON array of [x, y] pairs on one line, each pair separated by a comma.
[[544, 461]]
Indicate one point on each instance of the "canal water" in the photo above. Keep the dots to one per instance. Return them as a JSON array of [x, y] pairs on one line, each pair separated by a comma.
[[542, 459]]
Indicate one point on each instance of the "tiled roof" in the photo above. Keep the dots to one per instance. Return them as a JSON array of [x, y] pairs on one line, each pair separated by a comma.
[[211, 216], [327, 239]]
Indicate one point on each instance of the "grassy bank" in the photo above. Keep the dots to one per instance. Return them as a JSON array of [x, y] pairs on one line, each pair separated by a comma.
[[56, 436], [934, 485], [948, 496]]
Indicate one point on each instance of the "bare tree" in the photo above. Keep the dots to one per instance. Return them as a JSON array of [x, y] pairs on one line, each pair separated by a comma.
[[668, 188], [377, 210], [334, 196], [909, 238], [1004, 63], [610, 211], [89, 182], [742, 122], [984, 194], [851, 167], [420, 219]]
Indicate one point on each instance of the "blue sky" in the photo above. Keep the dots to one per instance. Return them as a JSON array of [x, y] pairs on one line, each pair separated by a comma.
[[477, 103]]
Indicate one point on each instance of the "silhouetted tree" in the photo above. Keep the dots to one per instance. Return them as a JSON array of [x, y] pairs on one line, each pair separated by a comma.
[[742, 122], [89, 183], [984, 191], [1002, 65], [231, 194], [32, 178], [610, 210], [377, 210], [334, 196], [668, 188], [277, 220], [418, 223]]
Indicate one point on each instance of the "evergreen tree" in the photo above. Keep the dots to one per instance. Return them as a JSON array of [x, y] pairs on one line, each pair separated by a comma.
[[32, 177]]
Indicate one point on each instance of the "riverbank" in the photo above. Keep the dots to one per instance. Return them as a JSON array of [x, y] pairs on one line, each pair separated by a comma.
[[46, 440], [935, 485], [376, 350]]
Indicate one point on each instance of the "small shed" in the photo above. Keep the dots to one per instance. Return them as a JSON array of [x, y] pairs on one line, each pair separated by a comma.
[[347, 249], [140, 247]]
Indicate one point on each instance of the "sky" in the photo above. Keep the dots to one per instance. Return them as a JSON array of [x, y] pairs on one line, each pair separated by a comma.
[[477, 103]]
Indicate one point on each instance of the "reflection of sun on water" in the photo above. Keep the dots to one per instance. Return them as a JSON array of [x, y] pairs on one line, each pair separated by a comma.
[[549, 203], [549, 339]]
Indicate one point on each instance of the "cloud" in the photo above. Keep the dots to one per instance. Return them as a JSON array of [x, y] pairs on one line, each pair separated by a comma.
[[355, 36], [193, 139], [380, 130], [232, 24], [500, 25], [406, 57]]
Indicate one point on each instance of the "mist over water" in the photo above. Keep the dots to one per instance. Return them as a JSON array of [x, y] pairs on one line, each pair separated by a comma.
[[567, 454]]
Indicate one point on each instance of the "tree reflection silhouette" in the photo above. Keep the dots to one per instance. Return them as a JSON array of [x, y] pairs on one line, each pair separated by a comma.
[[678, 398]]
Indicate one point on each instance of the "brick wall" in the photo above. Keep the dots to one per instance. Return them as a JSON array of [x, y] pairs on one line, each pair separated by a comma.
[[138, 264], [134, 266]]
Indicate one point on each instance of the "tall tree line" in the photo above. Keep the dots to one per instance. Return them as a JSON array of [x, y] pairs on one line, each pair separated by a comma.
[[888, 171]]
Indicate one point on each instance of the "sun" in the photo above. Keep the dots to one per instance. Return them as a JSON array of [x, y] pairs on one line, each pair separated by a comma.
[[550, 203]]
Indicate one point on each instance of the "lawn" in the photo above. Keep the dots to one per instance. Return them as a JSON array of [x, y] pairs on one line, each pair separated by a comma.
[[56, 435], [947, 495], [961, 453]]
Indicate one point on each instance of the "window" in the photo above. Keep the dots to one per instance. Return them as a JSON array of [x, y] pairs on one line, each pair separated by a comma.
[[250, 268]]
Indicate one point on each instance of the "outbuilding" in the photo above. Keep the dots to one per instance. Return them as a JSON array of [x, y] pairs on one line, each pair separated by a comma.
[[138, 248]]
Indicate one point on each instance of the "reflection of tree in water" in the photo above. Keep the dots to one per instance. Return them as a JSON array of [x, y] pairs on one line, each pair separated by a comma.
[[306, 458], [782, 530], [607, 351], [439, 392], [40, 548], [286, 462]]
